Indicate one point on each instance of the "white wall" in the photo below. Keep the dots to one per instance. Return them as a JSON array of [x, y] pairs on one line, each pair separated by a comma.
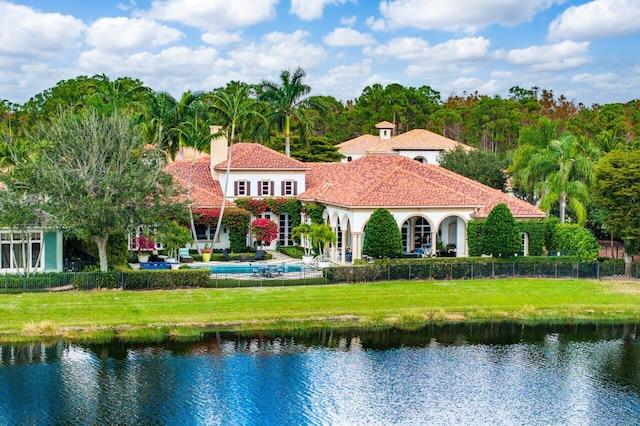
[[430, 156]]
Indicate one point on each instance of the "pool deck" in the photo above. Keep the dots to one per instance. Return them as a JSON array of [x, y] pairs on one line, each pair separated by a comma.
[[276, 260]]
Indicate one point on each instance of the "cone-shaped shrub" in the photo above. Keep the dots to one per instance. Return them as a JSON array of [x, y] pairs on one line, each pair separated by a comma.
[[500, 236], [382, 236]]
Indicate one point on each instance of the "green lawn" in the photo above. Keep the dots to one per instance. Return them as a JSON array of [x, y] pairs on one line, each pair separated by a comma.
[[37, 315]]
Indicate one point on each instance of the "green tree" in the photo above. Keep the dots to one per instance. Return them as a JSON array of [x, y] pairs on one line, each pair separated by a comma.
[[479, 165], [94, 177], [500, 236], [576, 241], [617, 191], [563, 171], [382, 236], [287, 99], [321, 235]]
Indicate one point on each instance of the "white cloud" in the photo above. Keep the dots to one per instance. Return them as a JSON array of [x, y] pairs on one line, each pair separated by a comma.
[[597, 19], [347, 37], [212, 15], [455, 50], [376, 24], [552, 57], [346, 81], [308, 10], [222, 38], [27, 33], [598, 79], [124, 34], [277, 51], [462, 15]]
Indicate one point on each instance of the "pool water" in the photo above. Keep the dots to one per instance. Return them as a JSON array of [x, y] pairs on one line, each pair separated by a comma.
[[250, 268]]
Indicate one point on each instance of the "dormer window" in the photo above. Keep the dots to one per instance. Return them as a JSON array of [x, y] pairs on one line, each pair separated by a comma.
[[242, 188], [265, 187]]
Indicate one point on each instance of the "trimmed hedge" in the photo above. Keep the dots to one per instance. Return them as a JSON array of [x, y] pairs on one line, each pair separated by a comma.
[[538, 232], [183, 278]]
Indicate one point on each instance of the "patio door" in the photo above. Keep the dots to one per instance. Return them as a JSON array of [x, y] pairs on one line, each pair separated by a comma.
[[274, 218]]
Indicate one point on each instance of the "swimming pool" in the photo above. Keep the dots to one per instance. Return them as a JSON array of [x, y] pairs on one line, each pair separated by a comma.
[[250, 268]]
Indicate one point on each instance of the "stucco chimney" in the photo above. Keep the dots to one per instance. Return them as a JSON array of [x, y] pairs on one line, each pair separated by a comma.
[[218, 149]]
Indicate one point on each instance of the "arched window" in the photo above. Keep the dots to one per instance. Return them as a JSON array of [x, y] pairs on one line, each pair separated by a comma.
[[421, 159]]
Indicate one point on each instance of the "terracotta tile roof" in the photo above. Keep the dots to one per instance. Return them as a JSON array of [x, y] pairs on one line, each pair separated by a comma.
[[421, 139], [205, 192], [365, 143], [417, 139], [385, 125], [256, 156], [379, 180]]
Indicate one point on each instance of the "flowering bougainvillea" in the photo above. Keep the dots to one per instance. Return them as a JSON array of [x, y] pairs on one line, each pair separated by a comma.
[[236, 220], [264, 230]]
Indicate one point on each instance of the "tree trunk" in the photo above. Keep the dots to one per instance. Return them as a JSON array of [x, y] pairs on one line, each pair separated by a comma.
[[101, 243], [628, 266], [216, 235], [287, 136], [563, 206]]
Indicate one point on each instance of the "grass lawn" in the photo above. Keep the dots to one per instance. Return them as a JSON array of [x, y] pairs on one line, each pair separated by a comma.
[[109, 313]]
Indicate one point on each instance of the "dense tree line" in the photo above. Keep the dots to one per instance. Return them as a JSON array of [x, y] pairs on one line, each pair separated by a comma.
[[539, 145]]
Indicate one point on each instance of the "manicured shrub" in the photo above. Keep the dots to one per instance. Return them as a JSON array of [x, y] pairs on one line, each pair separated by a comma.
[[141, 280], [382, 236], [474, 236], [535, 229], [500, 236], [576, 241]]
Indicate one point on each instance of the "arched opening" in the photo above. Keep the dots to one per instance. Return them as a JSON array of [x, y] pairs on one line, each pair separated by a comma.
[[416, 235], [421, 159]]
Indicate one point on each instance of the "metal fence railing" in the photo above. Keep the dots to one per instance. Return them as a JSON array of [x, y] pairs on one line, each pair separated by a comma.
[[476, 270], [51, 282]]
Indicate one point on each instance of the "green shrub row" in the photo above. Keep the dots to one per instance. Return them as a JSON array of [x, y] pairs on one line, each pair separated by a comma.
[[165, 279]]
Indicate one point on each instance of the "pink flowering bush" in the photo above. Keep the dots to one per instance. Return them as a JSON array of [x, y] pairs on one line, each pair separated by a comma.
[[264, 230]]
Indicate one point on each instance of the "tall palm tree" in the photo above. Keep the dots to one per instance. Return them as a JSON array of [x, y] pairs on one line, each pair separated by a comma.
[[287, 99], [532, 140], [122, 94], [235, 111], [195, 133], [568, 169]]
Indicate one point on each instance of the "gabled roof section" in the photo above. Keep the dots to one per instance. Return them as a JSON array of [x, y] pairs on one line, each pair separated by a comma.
[[413, 140], [255, 156], [421, 139], [205, 192], [365, 143], [377, 180], [385, 125]]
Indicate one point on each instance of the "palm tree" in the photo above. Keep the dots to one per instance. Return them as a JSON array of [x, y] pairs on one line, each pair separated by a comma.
[[287, 100], [235, 110], [568, 169], [122, 94]]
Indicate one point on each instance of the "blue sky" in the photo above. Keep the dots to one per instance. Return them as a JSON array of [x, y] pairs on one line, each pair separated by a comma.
[[585, 50]]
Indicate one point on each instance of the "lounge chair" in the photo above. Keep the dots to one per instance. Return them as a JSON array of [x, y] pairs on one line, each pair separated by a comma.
[[183, 255], [225, 255], [258, 256]]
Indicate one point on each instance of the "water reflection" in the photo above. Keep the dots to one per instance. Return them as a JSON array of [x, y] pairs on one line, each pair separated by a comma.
[[495, 373]]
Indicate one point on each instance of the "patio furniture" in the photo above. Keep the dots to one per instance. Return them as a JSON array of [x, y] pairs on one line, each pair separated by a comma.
[[225, 255], [183, 255], [258, 256]]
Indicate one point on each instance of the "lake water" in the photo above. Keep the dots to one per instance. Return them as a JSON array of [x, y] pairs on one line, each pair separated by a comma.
[[498, 374]]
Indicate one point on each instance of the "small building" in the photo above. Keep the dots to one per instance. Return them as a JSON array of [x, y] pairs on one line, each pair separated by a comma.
[[418, 144], [30, 250]]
